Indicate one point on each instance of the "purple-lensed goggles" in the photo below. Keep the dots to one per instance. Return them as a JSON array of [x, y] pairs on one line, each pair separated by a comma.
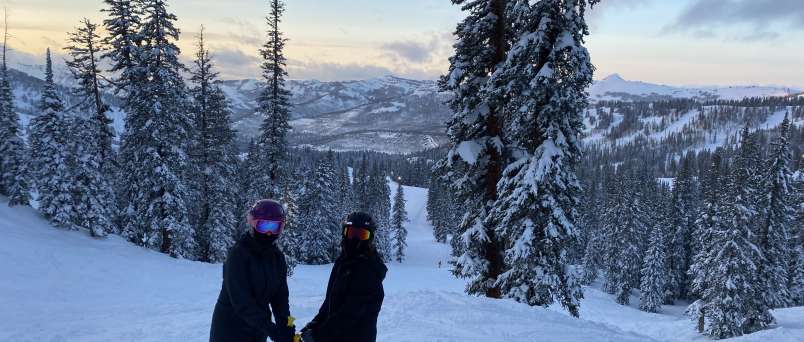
[[269, 227]]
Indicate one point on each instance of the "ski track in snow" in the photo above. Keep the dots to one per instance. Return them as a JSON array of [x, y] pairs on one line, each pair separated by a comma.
[[67, 286]]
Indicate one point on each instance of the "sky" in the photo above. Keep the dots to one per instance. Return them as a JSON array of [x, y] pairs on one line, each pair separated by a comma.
[[680, 42]]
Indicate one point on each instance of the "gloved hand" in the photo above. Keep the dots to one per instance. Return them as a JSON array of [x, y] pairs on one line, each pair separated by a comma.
[[309, 326], [307, 335]]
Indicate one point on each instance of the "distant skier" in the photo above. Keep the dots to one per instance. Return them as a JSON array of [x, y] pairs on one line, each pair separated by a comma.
[[254, 278], [354, 293]]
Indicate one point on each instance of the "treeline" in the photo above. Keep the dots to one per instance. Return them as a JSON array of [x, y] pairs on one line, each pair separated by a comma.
[[177, 182], [724, 231]]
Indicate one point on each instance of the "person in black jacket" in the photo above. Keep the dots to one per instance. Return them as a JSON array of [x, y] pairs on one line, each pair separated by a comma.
[[255, 283], [354, 292]]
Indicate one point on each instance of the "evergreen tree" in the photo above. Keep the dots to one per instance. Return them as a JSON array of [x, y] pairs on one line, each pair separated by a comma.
[[544, 78], [742, 214], [13, 177], [623, 223], [344, 203], [94, 134], [274, 106], [52, 160], [732, 297], [398, 219], [158, 134], [84, 49], [474, 163], [654, 273], [797, 266], [711, 220], [361, 187], [123, 24], [774, 225], [379, 197], [317, 216], [679, 242], [215, 153]]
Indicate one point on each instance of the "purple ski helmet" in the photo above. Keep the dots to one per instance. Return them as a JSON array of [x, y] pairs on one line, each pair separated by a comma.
[[267, 210]]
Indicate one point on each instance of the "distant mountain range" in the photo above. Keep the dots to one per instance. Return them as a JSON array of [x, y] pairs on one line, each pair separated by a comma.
[[387, 114]]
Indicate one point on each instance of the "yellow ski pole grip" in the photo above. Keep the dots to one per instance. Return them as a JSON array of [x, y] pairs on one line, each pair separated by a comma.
[[291, 320]]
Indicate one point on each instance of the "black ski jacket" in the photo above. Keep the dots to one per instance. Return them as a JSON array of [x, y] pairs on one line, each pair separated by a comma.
[[354, 298], [254, 278]]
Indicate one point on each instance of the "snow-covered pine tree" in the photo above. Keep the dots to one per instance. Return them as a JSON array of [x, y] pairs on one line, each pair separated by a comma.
[[360, 187], [742, 213], [274, 106], [544, 78], [13, 160], [679, 236], [345, 196], [711, 220], [379, 197], [474, 163], [398, 219], [157, 139], [317, 216], [797, 267], [733, 294], [344, 205], [214, 153], [623, 223], [93, 170], [596, 235], [777, 216], [588, 220], [85, 49], [654, 273], [52, 158], [123, 39], [289, 240]]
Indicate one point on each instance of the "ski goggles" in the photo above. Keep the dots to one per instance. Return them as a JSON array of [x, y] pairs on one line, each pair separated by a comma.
[[269, 227], [356, 233]]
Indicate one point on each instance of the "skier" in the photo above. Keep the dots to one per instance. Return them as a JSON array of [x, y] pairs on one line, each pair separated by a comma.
[[354, 293], [254, 278]]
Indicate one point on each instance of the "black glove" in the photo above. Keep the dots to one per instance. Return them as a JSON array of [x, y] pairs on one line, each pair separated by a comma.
[[309, 326], [285, 334], [307, 335]]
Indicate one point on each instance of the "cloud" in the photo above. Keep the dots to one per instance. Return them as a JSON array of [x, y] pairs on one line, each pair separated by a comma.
[[327, 71], [759, 15], [412, 51], [235, 64], [596, 13]]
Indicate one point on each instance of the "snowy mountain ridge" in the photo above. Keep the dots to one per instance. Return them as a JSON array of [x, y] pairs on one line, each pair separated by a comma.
[[398, 115], [614, 87]]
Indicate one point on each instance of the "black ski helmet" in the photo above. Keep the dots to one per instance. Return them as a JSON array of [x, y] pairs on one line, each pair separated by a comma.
[[362, 220]]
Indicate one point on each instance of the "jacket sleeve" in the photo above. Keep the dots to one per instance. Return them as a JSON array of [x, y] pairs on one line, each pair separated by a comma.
[[322, 312], [235, 274], [279, 302], [362, 301]]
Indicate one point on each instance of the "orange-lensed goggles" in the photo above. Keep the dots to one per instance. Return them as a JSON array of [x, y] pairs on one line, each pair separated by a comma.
[[352, 232]]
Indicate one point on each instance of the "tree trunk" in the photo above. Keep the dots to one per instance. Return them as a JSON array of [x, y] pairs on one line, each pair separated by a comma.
[[493, 249]]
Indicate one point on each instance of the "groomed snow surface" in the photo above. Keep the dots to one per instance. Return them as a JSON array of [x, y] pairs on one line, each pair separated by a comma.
[[57, 285]]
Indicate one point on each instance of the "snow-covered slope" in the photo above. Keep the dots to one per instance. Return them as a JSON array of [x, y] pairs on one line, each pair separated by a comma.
[[65, 286], [614, 87]]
